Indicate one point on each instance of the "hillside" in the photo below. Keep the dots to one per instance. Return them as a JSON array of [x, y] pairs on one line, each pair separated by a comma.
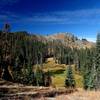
[[68, 39], [35, 61], [19, 49]]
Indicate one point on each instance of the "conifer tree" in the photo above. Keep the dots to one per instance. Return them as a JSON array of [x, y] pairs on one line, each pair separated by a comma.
[[88, 80], [69, 81], [97, 63], [88, 73]]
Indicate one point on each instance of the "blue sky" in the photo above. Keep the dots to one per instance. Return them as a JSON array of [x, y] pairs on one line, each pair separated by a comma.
[[81, 17]]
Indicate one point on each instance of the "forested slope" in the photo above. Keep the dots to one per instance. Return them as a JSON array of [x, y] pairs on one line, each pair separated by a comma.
[[20, 52]]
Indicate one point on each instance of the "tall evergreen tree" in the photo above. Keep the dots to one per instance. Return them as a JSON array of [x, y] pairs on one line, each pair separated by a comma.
[[97, 63], [69, 81], [88, 70]]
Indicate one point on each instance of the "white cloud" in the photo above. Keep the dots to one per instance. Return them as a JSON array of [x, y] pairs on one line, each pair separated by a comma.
[[85, 16], [91, 39]]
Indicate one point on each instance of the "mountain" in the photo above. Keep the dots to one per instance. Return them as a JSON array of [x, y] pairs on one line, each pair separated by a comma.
[[68, 40], [65, 38]]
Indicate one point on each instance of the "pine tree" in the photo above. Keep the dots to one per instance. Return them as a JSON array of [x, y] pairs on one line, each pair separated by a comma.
[[70, 81], [97, 63], [88, 80], [88, 73]]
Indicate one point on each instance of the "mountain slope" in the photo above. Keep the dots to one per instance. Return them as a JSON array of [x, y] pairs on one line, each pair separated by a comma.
[[70, 40]]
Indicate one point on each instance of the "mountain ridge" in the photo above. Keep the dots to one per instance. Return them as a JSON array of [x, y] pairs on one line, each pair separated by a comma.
[[67, 39]]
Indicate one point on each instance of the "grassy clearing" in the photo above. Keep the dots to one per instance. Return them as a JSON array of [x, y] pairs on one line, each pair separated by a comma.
[[59, 79], [58, 72]]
